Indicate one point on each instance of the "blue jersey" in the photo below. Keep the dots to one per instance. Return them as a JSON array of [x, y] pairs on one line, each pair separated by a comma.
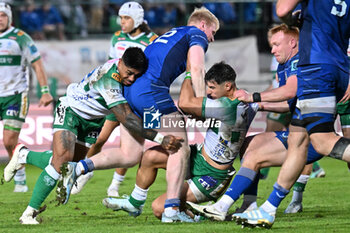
[[167, 54], [325, 33], [284, 71], [167, 58]]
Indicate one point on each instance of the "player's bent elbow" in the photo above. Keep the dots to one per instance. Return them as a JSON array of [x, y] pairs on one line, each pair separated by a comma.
[[290, 95]]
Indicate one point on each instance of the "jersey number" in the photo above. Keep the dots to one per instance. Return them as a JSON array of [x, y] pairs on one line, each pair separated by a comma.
[[164, 38], [343, 7]]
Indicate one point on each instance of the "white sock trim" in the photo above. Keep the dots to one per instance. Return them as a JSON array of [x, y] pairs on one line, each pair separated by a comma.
[[139, 193], [224, 204], [269, 208], [118, 177], [52, 172], [30, 209], [303, 179]]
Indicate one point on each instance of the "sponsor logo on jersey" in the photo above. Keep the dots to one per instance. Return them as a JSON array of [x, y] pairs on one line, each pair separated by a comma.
[[20, 33], [93, 134], [117, 77], [12, 110], [116, 91], [12, 37], [207, 182], [117, 33], [294, 65], [81, 97], [121, 38], [151, 119]]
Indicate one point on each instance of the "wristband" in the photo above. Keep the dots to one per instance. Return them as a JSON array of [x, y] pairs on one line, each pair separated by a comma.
[[158, 138], [44, 89], [188, 75], [256, 97]]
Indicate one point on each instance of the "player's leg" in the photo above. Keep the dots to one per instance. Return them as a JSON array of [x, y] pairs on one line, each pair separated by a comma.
[[66, 127], [10, 139], [176, 165], [313, 116], [258, 154], [275, 122], [127, 155], [186, 195], [118, 178], [113, 189], [109, 125], [152, 160], [63, 150], [343, 110], [296, 159], [298, 189], [317, 171], [13, 112], [321, 130], [21, 155], [346, 133]]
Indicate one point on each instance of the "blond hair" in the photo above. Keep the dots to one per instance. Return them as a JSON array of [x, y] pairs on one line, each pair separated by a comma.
[[292, 31], [203, 14]]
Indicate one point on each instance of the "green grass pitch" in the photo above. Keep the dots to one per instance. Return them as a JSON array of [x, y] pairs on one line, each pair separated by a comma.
[[326, 207]]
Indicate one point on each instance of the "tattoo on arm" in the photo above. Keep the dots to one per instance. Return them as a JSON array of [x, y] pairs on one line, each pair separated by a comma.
[[132, 122]]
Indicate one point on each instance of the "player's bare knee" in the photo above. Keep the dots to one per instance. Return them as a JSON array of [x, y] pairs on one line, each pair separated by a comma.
[[251, 160], [149, 157], [157, 209]]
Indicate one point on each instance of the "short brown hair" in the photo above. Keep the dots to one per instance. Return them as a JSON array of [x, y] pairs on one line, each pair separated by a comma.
[[204, 14], [292, 31]]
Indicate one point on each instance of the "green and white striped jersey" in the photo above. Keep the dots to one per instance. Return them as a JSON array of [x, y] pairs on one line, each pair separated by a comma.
[[223, 141], [121, 41], [99, 91], [17, 51]]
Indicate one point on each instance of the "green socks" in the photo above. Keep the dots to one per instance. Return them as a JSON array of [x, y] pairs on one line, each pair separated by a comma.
[[44, 185], [39, 159]]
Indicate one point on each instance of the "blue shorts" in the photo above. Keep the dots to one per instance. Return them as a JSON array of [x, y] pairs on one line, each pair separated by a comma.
[[320, 87], [312, 155], [145, 95]]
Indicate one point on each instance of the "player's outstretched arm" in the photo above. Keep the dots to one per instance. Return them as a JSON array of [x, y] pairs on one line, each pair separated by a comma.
[[125, 116], [280, 107], [282, 93]]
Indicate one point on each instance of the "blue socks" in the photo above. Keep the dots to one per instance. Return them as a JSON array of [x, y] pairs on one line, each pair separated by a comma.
[[241, 182], [277, 195]]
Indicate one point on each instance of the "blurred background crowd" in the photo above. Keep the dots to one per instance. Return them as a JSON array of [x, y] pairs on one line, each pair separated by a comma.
[[77, 19]]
